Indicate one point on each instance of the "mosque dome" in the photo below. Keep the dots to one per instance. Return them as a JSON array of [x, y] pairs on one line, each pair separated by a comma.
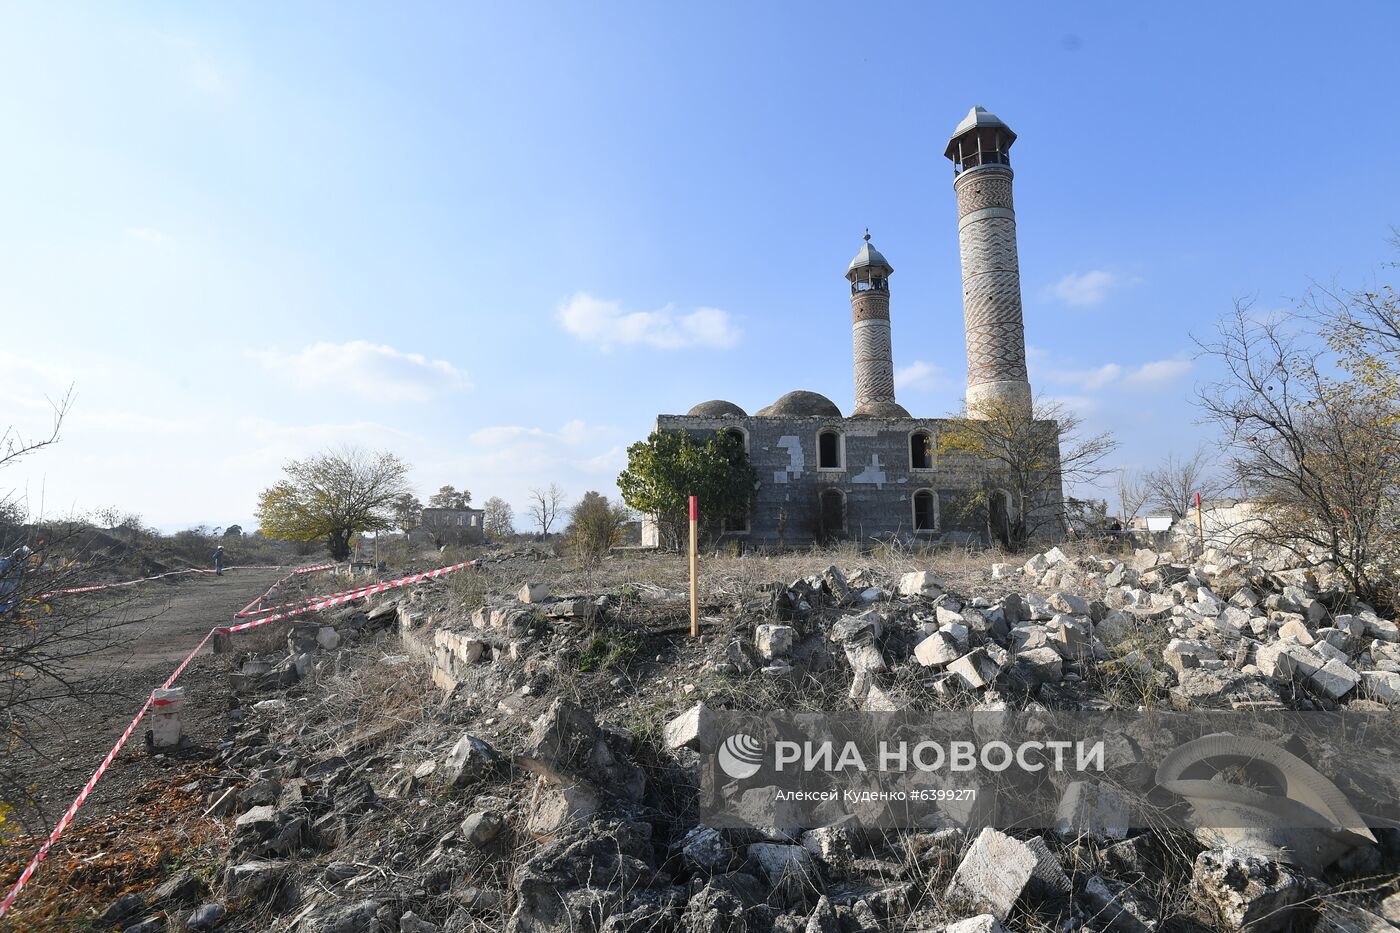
[[716, 408], [800, 402]]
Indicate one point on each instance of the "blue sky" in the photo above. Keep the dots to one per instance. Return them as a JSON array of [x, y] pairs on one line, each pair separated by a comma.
[[499, 239]]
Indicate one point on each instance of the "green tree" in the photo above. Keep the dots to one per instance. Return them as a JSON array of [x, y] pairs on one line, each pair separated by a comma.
[[669, 466], [408, 512], [596, 527], [448, 497], [333, 496], [233, 531]]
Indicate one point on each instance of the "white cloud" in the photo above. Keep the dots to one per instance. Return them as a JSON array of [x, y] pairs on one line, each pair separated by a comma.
[[1078, 404], [605, 324], [372, 371], [919, 375], [1157, 373], [1152, 374], [1086, 289], [1086, 380], [147, 235]]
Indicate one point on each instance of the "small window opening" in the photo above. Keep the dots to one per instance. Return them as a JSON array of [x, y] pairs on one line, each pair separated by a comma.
[[925, 511], [829, 450], [921, 450], [833, 507]]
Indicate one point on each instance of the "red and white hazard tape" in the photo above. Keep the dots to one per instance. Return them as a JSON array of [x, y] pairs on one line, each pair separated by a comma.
[[320, 602], [335, 599], [253, 607], [159, 576]]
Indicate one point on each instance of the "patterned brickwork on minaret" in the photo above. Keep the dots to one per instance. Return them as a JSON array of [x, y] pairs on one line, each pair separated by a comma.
[[991, 274], [869, 276]]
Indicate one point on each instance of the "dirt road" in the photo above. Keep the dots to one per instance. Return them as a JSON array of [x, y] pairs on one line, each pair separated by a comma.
[[166, 621]]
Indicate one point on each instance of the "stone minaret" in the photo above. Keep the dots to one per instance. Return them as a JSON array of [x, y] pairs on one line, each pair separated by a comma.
[[869, 275], [991, 274]]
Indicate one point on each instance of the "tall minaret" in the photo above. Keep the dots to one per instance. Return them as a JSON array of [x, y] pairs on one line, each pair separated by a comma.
[[991, 274], [869, 275]]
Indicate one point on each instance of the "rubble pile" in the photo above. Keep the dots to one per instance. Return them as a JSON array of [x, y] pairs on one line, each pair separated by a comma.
[[542, 776]]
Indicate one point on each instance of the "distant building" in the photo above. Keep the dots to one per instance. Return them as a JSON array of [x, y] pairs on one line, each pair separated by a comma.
[[877, 474], [450, 526]]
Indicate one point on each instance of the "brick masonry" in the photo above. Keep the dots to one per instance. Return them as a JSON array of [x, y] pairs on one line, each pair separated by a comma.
[[876, 480]]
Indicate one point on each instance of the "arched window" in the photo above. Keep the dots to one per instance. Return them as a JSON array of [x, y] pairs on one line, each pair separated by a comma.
[[921, 451], [833, 512], [739, 433], [830, 450], [925, 511]]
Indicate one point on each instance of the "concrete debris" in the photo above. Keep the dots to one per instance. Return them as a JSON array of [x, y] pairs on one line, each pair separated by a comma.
[[551, 784]]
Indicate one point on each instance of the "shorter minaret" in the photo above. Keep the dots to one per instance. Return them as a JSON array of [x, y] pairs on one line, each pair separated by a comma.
[[869, 275], [991, 272]]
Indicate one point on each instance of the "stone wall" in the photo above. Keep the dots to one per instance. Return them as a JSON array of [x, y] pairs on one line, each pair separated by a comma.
[[876, 478]]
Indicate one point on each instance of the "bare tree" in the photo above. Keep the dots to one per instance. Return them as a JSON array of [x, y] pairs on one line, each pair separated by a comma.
[[1031, 459], [1172, 486], [1132, 493], [545, 506], [1317, 454], [500, 518], [47, 637]]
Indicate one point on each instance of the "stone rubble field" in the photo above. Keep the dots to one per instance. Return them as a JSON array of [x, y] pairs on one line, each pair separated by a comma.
[[504, 753]]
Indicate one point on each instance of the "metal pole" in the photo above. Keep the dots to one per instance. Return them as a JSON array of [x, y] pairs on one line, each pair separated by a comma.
[[694, 561], [1200, 523]]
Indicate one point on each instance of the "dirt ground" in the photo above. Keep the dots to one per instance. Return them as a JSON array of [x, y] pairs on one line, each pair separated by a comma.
[[167, 620]]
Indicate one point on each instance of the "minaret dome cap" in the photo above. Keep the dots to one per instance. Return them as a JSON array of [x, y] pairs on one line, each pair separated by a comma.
[[978, 117], [869, 258]]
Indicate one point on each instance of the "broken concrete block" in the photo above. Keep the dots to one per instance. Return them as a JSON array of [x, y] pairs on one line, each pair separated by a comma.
[[706, 849], [937, 650], [534, 593], [878, 700], [1070, 603], [975, 668], [1182, 654], [1042, 665], [1093, 808], [1334, 680], [1198, 687], [993, 873], [559, 806], [471, 759], [1246, 892], [1281, 660], [919, 583], [694, 729], [773, 641], [863, 627], [1380, 629], [1143, 560], [865, 656], [1120, 907], [790, 870], [1295, 630], [984, 923], [1382, 685]]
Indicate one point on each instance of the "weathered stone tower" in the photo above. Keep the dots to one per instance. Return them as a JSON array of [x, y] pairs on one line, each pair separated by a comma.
[[869, 275], [991, 274]]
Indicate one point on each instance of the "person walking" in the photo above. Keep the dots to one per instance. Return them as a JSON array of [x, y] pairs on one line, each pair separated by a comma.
[[11, 570], [219, 561]]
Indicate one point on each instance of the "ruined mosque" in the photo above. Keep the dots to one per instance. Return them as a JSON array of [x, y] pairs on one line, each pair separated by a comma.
[[877, 473]]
